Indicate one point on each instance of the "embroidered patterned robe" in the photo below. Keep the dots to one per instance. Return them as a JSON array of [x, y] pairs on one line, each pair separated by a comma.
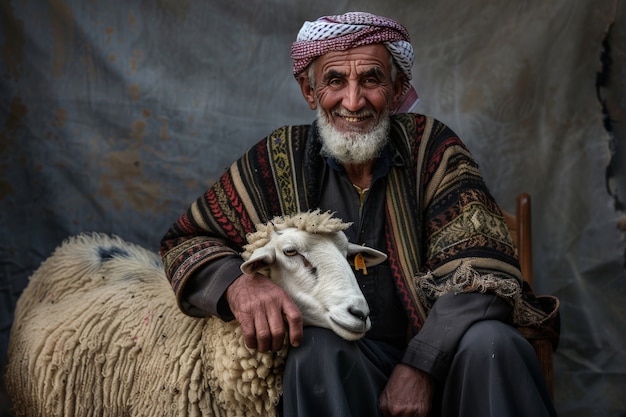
[[444, 231]]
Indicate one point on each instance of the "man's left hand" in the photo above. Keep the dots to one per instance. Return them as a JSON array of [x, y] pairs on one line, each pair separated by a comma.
[[409, 393]]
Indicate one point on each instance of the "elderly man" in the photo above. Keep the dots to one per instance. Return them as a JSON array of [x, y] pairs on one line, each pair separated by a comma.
[[443, 306]]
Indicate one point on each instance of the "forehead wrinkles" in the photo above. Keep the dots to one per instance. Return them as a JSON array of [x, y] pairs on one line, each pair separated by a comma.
[[354, 68], [359, 60]]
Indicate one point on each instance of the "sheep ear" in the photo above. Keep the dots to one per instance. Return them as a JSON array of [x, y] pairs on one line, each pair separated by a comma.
[[370, 256], [259, 261]]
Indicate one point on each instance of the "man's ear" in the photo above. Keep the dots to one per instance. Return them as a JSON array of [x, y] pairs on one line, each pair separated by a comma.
[[307, 89]]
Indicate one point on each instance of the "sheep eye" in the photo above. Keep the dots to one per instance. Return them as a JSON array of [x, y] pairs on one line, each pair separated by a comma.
[[290, 252]]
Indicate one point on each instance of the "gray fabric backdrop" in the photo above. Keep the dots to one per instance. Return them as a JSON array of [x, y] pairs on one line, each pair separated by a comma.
[[115, 115]]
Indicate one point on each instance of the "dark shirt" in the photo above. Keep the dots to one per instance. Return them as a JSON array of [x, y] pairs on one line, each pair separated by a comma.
[[367, 214]]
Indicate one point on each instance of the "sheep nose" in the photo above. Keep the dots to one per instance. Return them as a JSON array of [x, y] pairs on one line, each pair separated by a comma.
[[358, 313]]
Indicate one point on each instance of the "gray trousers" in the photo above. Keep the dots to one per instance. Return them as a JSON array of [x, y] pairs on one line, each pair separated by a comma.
[[495, 372]]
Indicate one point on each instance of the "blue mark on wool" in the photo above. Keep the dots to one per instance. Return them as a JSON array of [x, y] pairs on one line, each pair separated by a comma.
[[111, 252]]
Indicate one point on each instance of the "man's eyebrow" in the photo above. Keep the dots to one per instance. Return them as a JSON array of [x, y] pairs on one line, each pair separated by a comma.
[[374, 71], [333, 74]]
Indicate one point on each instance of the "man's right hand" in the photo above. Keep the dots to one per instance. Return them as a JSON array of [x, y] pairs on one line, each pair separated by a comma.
[[265, 312]]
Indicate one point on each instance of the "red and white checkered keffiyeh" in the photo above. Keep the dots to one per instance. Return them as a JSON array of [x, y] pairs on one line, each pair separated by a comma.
[[350, 30]]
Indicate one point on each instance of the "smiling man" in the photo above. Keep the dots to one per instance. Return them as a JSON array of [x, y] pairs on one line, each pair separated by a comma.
[[445, 304]]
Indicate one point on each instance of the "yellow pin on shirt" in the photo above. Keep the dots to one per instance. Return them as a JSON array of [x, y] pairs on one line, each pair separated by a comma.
[[359, 263]]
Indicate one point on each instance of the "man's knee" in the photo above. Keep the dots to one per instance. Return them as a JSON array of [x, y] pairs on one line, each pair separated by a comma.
[[489, 338], [495, 368]]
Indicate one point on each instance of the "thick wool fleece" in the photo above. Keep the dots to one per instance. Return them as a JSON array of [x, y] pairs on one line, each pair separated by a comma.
[[97, 332]]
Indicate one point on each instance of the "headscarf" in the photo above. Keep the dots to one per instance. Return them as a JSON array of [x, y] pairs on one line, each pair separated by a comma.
[[350, 30]]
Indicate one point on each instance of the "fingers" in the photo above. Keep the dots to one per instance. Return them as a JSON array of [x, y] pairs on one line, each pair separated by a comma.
[[266, 332], [270, 331], [265, 312], [293, 317], [272, 326], [257, 331], [248, 331]]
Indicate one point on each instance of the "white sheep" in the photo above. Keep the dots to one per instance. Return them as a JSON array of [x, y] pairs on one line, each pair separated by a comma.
[[97, 332]]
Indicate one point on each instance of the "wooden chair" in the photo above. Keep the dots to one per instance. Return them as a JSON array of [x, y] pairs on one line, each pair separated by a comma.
[[520, 228]]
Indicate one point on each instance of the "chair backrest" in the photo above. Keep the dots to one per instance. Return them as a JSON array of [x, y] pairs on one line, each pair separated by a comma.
[[520, 228]]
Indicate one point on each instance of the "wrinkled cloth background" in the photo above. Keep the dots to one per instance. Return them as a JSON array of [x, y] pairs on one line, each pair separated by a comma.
[[115, 115]]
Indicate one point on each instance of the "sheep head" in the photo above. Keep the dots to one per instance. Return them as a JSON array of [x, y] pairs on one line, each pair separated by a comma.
[[307, 255]]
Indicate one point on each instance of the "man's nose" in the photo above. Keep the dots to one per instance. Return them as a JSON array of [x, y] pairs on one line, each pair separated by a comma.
[[353, 99]]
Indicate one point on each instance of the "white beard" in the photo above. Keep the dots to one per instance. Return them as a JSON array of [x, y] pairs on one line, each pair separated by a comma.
[[352, 147]]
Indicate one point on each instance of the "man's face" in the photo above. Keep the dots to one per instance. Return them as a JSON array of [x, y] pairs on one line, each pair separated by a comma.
[[353, 93], [353, 88]]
